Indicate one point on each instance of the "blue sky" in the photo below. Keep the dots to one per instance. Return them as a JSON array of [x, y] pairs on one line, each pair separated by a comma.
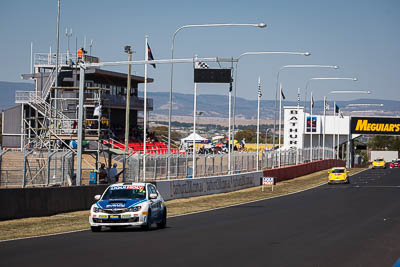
[[360, 36]]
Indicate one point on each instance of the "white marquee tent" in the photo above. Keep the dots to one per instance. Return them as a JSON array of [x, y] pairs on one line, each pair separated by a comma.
[[198, 139]]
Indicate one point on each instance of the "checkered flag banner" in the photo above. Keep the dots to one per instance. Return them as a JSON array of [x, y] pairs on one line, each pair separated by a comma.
[[327, 107], [201, 65]]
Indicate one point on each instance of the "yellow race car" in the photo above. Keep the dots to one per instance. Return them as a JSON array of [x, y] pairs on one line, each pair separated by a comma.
[[338, 175], [378, 163]]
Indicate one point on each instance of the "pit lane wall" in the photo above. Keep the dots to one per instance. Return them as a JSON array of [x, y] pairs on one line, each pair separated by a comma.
[[290, 172], [182, 188], [34, 202]]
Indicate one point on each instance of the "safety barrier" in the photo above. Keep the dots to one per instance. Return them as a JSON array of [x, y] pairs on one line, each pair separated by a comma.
[[290, 172], [32, 202]]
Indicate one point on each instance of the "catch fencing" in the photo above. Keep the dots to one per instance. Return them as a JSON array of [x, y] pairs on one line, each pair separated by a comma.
[[58, 168], [181, 166]]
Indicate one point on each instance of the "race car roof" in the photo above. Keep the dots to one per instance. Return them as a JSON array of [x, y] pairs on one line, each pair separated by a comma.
[[122, 184]]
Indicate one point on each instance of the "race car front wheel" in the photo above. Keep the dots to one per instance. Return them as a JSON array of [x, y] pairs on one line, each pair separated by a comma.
[[147, 226], [95, 228]]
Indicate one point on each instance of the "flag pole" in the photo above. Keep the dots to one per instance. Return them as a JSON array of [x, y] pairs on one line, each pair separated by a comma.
[[146, 57], [311, 130], [194, 127], [280, 122], [333, 133], [298, 106], [323, 134], [258, 120], [229, 127], [338, 135]]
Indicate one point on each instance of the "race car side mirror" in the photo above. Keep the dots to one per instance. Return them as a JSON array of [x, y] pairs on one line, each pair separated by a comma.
[[153, 196], [97, 197]]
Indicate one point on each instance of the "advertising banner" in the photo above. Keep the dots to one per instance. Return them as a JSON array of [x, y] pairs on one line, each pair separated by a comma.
[[375, 125]]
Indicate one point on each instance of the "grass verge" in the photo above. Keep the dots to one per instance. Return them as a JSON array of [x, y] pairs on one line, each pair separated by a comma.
[[78, 220]]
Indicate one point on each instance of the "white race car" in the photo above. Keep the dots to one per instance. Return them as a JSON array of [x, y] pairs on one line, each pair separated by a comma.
[[128, 204]]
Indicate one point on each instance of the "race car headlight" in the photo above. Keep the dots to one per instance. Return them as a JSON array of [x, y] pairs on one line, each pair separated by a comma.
[[134, 209], [95, 209]]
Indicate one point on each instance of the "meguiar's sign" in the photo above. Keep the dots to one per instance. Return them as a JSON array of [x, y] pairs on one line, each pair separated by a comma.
[[375, 125]]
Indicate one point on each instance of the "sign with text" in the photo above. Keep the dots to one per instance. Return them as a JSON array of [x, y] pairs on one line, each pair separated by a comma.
[[268, 181], [375, 125]]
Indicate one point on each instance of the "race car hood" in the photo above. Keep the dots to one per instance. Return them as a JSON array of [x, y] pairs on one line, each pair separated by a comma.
[[119, 203]]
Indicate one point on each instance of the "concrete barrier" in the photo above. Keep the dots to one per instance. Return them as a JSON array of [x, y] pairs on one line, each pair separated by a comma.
[[290, 172], [182, 188], [34, 202]]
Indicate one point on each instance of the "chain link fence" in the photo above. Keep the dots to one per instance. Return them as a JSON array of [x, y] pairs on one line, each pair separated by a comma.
[[33, 168]]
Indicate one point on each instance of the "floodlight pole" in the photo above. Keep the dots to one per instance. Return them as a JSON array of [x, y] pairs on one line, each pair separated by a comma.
[[127, 110], [277, 85], [258, 25], [80, 124]]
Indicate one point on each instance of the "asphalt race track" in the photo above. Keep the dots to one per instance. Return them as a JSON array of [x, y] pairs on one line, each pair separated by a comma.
[[332, 225]]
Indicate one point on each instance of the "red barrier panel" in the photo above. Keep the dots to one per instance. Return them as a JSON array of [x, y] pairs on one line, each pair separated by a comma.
[[290, 172]]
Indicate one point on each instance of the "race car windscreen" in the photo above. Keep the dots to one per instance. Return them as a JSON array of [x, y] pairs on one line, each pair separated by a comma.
[[338, 171], [124, 192]]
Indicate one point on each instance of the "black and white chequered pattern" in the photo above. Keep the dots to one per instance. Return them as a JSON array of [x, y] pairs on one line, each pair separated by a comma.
[[202, 65]]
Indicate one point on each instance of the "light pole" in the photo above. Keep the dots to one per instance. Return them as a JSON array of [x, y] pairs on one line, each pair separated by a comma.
[[349, 138], [259, 25], [305, 100], [258, 53], [129, 51], [277, 85], [68, 35]]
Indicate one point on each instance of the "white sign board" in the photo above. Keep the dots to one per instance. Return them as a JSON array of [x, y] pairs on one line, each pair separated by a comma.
[[268, 181]]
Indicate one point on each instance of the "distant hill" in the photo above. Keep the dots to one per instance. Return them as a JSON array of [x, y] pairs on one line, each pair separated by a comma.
[[8, 89], [217, 105]]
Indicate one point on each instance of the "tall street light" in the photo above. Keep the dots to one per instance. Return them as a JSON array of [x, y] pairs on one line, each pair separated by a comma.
[[305, 100], [129, 51], [258, 25], [277, 85], [348, 160], [237, 65]]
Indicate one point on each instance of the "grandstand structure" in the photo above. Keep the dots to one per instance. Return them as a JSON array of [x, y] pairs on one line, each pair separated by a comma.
[[42, 126]]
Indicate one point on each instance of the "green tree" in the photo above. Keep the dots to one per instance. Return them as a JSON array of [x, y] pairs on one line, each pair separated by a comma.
[[161, 132], [381, 142], [249, 135]]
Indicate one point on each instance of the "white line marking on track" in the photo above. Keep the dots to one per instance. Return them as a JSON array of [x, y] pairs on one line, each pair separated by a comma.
[[29, 237], [191, 213]]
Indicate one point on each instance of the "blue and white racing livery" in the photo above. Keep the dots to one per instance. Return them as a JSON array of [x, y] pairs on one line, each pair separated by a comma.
[[128, 204]]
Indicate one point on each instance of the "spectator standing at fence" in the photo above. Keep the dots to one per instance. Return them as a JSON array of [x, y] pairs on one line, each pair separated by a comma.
[[102, 174], [113, 174], [243, 143]]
